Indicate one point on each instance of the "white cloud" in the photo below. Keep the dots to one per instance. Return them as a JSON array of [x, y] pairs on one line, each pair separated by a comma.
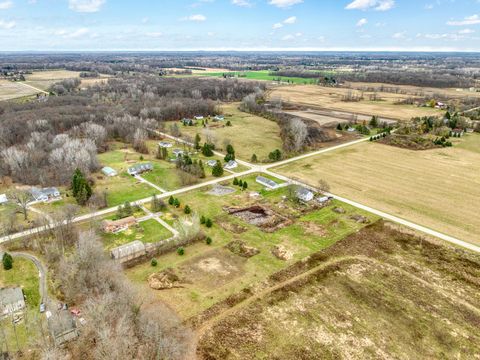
[[362, 22], [243, 3], [290, 20], [71, 35], [288, 37], [196, 17], [399, 35], [469, 20], [378, 5], [7, 24], [466, 31], [86, 6], [277, 26], [4, 5], [154, 34], [429, 6], [145, 20], [284, 3]]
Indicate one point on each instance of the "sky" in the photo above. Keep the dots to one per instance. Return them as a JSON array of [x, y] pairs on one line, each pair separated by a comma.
[[275, 25]]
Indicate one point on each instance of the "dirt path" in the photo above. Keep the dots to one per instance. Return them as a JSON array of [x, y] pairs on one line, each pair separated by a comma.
[[204, 327]]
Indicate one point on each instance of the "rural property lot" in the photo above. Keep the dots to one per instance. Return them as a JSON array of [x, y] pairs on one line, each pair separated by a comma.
[[436, 188], [11, 90], [378, 294], [331, 98]]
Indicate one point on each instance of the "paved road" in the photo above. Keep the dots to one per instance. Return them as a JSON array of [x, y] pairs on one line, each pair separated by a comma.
[[42, 274]]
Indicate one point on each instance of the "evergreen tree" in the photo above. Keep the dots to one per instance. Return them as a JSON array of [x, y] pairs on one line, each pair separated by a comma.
[[254, 158], [197, 142], [171, 200], [217, 170], [235, 181], [187, 210], [245, 185], [339, 127], [127, 209], [240, 183], [208, 240], [202, 220], [7, 261], [81, 189], [209, 223], [207, 150], [176, 203], [374, 122]]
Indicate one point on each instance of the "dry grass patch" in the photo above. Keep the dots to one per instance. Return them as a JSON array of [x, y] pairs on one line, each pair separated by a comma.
[[331, 98], [437, 188]]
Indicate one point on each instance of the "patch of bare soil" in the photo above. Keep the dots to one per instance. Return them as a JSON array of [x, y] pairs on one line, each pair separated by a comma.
[[231, 227], [239, 248], [213, 269], [260, 216], [282, 253], [379, 293], [314, 229], [166, 279], [359, 219]]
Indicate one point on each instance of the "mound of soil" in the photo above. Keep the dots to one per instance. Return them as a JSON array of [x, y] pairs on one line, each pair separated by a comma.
[[264, 218], [280, 252], [166, 279], [230, 227], [239, 248], [314, 229], [339, 210], [359, 219]]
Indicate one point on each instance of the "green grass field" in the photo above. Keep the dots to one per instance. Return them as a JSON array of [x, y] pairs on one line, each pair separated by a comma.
[[149, 231], [310, 232], [263, 75]]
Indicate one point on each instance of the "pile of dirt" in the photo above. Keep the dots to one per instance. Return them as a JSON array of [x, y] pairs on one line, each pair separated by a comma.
[[239, 248], [264, 218], [280, 252], [339, 210], [231, 227], [166, 279], [360, 219], [219, 190]]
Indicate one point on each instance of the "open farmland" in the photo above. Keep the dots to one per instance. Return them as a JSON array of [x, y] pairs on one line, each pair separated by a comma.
[[262, 75], [437, 188], [210, 273], [331, 98], [12, 90], [377, 294], [249, 134]]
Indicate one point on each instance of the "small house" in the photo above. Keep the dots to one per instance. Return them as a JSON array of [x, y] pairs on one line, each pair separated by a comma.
[[165, 144], [139, 169], [178, 152], [108, 171], [3, 199], [305, 195], [128, 251], [218, 118], [457, 132], [323, 199], [268, 183], [116, 226], [232, 164], [45, 194], [440, 105], [212, 163], [199, 117], [11, 301], [62, 327]]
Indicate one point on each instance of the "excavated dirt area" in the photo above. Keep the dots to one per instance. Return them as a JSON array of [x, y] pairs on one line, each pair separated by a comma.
[[261, 217], [378, 294]]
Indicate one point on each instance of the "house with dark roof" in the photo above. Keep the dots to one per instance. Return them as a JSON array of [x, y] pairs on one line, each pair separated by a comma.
[[139, 169], [232, 164]]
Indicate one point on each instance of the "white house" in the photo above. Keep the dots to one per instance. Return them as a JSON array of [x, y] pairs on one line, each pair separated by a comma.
[[11, 301], [219, 118], [3, 199], [232, 164], [178, 152], [45, 194], [268, 183], [305, 194], [139, 169], [212, 163], [199, 117], [165, 144]]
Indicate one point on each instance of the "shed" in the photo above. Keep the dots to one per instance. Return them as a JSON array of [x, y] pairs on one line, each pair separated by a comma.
[[108, 171], [212, 163], [304, 194], [232, 164], [199, 117], [266, 182], [219, 118], [128, 251], [140, 168], [11, 300], [3, 199], [165, 144]]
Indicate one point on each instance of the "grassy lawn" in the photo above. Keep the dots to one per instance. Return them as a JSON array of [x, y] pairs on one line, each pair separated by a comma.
[[23, 274], [149, 231], [435, 188], [205, 288], [263, 75], [249, 134]]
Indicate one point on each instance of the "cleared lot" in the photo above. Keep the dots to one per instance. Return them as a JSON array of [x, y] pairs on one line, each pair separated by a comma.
[[331, 98], [11, 90], [436, 188]]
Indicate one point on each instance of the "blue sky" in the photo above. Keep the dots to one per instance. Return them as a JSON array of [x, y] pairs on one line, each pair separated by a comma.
[[412, 25]]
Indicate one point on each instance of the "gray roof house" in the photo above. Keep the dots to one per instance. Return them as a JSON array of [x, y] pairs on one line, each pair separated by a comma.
[[165, 144], [11, 301], [108, 171], [3, 199], [212, 163], [45, 194], [199, 117], [266, 182], [62, 327], [178, 152], [219, 118], [140, 168], [305, 195], [232, 164]]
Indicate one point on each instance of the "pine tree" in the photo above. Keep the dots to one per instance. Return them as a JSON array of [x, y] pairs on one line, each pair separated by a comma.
[[187, 210], [171, 200], [240, 183], [217, 170], [176, 203], [197, 142], [202, 220], [209, 223], [7, 261], [339, 127], [207, 150], [127, 209], [254, 158], [235, 181], [245, 185]]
